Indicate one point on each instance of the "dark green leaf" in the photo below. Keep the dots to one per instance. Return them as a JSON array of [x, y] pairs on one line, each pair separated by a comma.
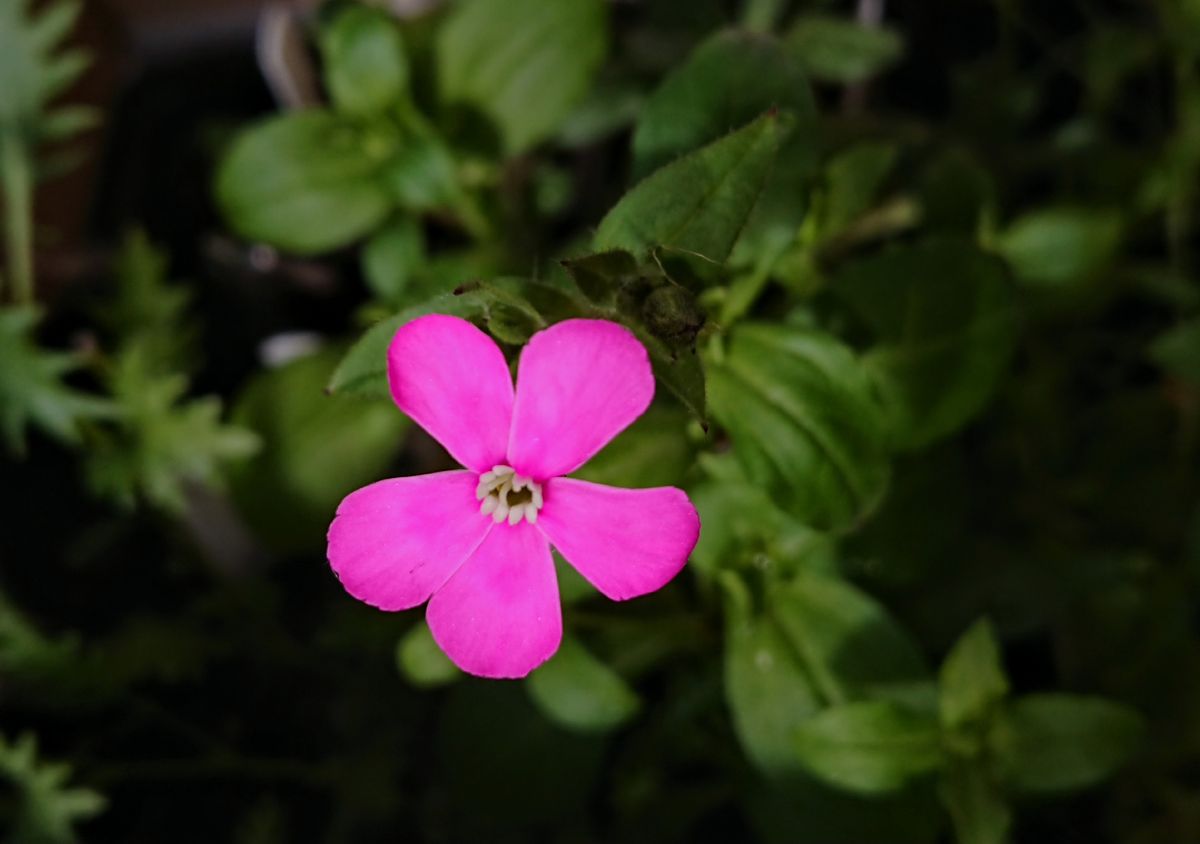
[[853, 182], [972, 681], [1177, 350], [945, 319], [699, 203], [580, 692], [872, 747], [976, 803], [1060, 247], [306, 182], [1060, 742], [844, 51], [653, 451], [804, 422], [366, 68], [524, 63]]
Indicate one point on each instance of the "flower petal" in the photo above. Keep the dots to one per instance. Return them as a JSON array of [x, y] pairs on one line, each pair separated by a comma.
[[499, 615], [626, 542], [452, 379], [579, 384], [395, 542]]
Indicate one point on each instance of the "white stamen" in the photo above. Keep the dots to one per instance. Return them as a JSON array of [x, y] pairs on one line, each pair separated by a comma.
[[497, 485]]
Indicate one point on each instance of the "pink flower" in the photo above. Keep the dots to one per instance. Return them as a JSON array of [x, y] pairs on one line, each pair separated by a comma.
[[476, 542]]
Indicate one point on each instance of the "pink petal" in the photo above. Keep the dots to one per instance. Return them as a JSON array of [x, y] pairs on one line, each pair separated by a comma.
[[450, 378], [395, 542], [499, 615], [579, 384], [626, 542]]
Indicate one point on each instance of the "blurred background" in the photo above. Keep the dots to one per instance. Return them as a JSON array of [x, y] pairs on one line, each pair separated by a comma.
[[929, 365]]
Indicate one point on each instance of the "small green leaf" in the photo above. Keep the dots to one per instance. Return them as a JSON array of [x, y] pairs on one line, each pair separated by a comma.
[[47, 809], [804, 421], [976, 803], [602, 275], [523, 63], [699, 203], [421, 661], [392, 258], [305, 182], [972, 681], [580, 692], [871, 747], [366, 67], [1061, 742], [843, 51], [769, 693], [945, 318], [1177, 350], [1060, 247]]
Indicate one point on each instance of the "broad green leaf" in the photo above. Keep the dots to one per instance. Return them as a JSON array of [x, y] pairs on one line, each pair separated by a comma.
[[804, 422], [366, 67], [840, 50], [850, 644], [769, 693], [1060, 247], [699, 203], [1061, 742], [976, 803], [972, 681], [32, 393], [47, 809], [393, 257], [653, 451], [945, 319], [523, 63], [580, 692], [317, 448], [306, 182], [1177, 350], [421, 661], [729, 80], [870, 747]]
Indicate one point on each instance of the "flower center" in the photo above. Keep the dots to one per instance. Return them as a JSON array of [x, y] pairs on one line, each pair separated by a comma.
[[506, 495]]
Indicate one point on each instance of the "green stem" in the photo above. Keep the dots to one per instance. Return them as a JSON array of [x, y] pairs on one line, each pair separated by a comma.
[[17, 184]]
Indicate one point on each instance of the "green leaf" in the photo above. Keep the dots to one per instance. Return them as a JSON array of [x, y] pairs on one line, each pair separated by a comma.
[[602, 275], [653, 451], [853, 180], [393, 257], [1061, 742], [945, 318], [422, 661], [699, 203], [366, 67], [31, 388], [579, 692], [1177, 350], [976, 803], [849, 643], [32, 69], [871, 747], [843, 51], [317, 448], [422, 174], [679, 370], [729, 80], [769, 693], [305, 182], [972, 681], [145, 308], [47, 808], [523, 63], [1061, 247], [804, 422], [28, 654]]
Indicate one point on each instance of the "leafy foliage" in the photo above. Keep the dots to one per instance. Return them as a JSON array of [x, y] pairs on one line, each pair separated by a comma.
[[47, 809]]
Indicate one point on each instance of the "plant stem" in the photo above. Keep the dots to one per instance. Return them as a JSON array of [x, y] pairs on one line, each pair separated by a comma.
[[17, 184]]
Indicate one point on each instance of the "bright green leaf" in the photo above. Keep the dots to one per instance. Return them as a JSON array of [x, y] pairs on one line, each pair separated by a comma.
[[580, 692], [47, 808], [871, 747], [523, 63], [842, 51], [972, 681], [393, 257], [699, 203], [1060, 247], [366, 67], [1061, 742], [945, 319], [422, 661], [804, 422], [305, 182]]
